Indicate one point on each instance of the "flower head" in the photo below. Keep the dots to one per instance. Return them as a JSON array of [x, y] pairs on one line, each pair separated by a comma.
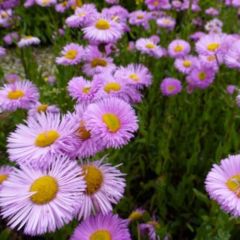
[[170, 86]]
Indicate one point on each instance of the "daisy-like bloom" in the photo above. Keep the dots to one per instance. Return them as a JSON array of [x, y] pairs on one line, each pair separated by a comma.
[[212, 11], [110, 86], [5, 171], [3, 52], [40, 138], [231, 89], [104, 227], [223, 184], [148, 46], [136, 215], [40, 201], [96, 62], [20, 94], [179, 48], [149, 229], [103, 29], [82, 90], [12, 78], [117, 13], [185, 65], [28, 41], [71, 54], [105, 187], [62, 7], [42, 108], [87, 144], [139, 18], [232, 58], [111, 120], [10, 38], [213, 61], [157, 4], [166, 22], [45, 3], [170, 86], [135, 74], [82, 16], [6, 17], [201, 76], [210, 44]]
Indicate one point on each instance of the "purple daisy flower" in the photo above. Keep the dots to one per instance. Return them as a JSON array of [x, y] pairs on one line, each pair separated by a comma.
[[82, 16], [40, 201], [62, 7], [87, 144], [103, 29], [139, 18], [149, 229], [157, 4], [166, 22], [201, 76], [42, 108], [5, 171], [96, 62], [28, 41], [11, 38], [210, 44], [179, 48], [111, 86], [7, 4], [135, 74], [6, 17], [3, 52], [185, 65], [170, 86], [82, 90], [20, 94], [102, 227], [45, 3], [111, 120], [148, 46], [222, 184], [232, 57], [231, 89], [40, 138], [105, 187], [72, 54]]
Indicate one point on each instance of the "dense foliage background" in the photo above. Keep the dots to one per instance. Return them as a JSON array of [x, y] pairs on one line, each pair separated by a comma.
[[179, 137]]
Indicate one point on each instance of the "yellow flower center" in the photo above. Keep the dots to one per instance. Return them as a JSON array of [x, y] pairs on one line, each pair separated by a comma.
[[46, 138], [140, 17], [101, 235], [45, 2], [202, 76], [45, 189], [82, 14], [3, 177], [155, 3], [71, 54], [171, 88], [112, 87], [211, 58], [213, 46], [86, 90], [102, 24], [166, 21], [233, 184], [27, 37], [187, 63], [178, 48], [82, 132], [64, 4], [135, 215], [112, 122], [150, 45], [134, 77], [42, 108], [16, 94], [98, 62], [93, 177]]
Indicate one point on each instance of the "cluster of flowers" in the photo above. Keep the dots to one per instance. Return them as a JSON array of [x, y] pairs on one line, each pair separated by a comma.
[[53, 182]]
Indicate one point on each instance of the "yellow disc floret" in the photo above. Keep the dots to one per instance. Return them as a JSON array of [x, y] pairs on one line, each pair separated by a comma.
[[98, 62], [16, 94], [93, 177], [102, 24], [233, 184], [112, 122], [45, 189], [213, 46], [46, 138], [112, 87], [71, 54], [42, 108], [3, 177], [101, 235]]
